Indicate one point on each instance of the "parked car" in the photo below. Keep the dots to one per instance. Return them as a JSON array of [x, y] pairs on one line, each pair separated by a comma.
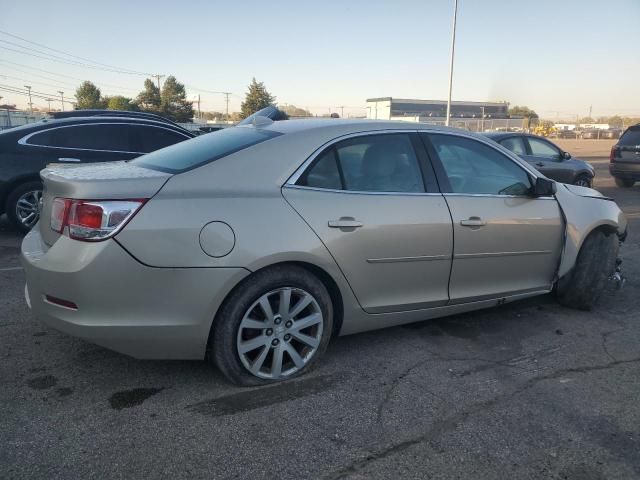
[[566, 134], [624, 160], [72, 138], [255, 245], [547, 157], [591, 134], [611, 133]]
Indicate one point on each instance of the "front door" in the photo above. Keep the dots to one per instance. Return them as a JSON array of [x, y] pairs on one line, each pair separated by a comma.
[[547, 158], [365, 198], [506, 241]]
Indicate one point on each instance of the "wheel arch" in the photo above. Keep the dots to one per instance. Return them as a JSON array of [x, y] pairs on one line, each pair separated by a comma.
[[14, 183]]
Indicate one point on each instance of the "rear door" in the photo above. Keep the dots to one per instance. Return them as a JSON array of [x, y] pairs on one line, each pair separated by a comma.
[[507, 242], [373, 201], [548, 158]]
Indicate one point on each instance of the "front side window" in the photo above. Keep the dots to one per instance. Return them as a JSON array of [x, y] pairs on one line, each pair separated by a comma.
[[515, 144], [86, 137], [372, 163], [473, 167], [540, 148]]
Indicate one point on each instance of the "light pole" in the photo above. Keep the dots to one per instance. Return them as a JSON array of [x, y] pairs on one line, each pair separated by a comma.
[[61, 99], [28, 87], [453, 47]]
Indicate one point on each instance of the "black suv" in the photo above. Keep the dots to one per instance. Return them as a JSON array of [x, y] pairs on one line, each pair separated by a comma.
[[624, 161], [74, 137]]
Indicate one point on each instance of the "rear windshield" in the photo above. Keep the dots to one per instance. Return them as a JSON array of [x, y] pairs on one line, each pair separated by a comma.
[[630, 138], [204, 149]]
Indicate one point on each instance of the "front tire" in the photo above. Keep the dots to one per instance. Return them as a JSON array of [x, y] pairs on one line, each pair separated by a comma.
[[583, 181], [22, 205], [274, 326], [624, 182], [583, 286]]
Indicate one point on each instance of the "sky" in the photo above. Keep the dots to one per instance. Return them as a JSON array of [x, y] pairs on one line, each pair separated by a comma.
[[560, 58]]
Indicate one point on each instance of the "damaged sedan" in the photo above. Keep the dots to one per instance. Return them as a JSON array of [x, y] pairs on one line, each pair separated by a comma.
[[253, 246]]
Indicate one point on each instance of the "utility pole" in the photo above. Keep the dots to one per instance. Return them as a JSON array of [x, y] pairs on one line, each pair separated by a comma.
[[61, 99], [482, 122], [226, 94], [199, 114], [49, 102], [590, 109], [158, 77], [28, 87], [453, 48], [341, 107]]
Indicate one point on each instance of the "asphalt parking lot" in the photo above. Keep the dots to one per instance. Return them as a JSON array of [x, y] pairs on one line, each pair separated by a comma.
[[529, 390]]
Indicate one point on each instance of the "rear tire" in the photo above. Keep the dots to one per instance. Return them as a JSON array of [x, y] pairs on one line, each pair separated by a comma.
[[583, 286], [235, 322], [624, 182], [21, 203], [583, 180]]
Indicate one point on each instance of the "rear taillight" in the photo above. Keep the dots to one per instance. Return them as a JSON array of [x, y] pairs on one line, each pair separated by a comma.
[[92, 220], [612, 155]]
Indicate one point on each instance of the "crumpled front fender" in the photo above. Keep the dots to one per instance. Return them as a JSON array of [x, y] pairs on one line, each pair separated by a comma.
[[585, 210]]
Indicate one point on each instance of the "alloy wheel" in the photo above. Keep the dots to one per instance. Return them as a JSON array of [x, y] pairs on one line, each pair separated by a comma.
[[28, 208], [279, 333], [583, 182]]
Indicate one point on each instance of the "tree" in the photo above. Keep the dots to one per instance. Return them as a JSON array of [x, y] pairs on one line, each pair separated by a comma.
[[173, 101], [119, 102], [88, 96], [256, 99], [149, 99], [294, 111], [526, 112]]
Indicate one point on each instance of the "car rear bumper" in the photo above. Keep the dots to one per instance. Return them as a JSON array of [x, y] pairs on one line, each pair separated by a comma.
[[625, 170], [121, 304]]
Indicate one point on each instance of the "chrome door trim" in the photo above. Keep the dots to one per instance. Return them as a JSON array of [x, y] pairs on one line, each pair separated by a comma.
[[300, 170], [68, 159], [496, 195], [501, 254], [23, 140], [421, 258]]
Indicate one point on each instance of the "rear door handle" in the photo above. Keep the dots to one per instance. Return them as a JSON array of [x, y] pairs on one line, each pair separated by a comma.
[[473, 222], [68, 159], [540, 164], [345, 222]]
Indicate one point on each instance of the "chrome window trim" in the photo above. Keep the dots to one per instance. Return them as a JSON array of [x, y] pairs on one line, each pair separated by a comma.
[[301, 169], [496, 195], [23, 140], [362, 192]]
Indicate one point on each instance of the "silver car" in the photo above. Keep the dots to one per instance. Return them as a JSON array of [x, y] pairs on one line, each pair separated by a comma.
[[255, 245]]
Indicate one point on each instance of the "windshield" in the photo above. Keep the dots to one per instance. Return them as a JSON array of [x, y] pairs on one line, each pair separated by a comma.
[[204, 149]]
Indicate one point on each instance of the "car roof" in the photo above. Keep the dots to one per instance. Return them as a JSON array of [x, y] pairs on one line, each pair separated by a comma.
[[50, 122], [348, 125]]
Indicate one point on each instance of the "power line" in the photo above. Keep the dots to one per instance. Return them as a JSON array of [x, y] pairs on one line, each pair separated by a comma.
[[68, 54]]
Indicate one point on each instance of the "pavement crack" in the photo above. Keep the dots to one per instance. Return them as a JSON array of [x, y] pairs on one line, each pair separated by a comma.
[[605, 338], [442, 426]]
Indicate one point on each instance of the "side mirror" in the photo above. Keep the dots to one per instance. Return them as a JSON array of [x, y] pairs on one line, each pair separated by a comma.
[[544, 187], [565, 156]]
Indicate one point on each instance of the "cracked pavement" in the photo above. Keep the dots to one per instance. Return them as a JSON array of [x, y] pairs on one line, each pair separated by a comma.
[[528, 390]]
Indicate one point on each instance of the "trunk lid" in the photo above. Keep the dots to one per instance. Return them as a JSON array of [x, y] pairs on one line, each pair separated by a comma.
[[95, 181]]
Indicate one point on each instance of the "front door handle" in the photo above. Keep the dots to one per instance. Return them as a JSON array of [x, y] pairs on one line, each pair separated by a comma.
[[473, 222], [68, 159], [345, 222], [540, 164]]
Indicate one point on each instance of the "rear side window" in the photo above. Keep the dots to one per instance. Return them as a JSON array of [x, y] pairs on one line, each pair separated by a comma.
[[86, 137], [149, 139], [515, 144], [372, 163], [204, 149], [630, 138]]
